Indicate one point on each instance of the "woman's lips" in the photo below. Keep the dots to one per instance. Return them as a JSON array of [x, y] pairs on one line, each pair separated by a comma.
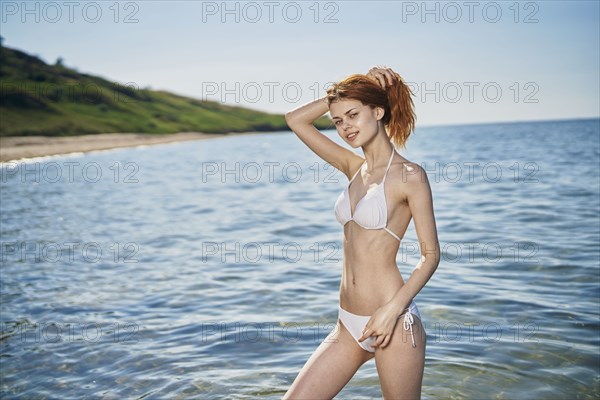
[[352, 136]]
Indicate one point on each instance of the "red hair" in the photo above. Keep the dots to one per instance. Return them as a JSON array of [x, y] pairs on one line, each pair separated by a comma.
[[399, 117]]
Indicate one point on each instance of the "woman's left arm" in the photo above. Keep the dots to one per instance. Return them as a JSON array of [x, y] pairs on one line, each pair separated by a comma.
[[420, 202], [382, 322]]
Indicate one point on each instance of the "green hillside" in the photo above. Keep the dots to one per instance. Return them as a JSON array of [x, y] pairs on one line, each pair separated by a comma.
[[53, 100]]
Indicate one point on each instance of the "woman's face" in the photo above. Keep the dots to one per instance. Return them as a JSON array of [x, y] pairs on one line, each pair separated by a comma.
[[355, 122]]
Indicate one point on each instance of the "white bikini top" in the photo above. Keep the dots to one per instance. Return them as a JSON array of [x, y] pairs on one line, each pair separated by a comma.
[[371, 211]]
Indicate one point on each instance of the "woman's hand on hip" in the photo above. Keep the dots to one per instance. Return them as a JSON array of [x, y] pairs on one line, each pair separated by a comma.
[[381, 324]]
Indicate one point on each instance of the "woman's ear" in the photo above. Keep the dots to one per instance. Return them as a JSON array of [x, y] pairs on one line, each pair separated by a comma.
[[379, 113]]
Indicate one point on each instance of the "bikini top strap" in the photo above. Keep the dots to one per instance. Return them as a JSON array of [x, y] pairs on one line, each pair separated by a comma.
[[357, 172], [386, 170], [388, 166]]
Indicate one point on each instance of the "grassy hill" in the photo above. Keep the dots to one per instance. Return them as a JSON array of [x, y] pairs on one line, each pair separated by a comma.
[[53, 100]]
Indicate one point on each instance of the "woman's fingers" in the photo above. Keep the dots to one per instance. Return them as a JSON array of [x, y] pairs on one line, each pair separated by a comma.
[[380, 78], [366, 334], [390, 75], [386, 341], [385, 76], [379, 341]]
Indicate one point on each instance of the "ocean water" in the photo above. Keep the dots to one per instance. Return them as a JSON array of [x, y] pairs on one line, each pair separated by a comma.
[[211, 269]]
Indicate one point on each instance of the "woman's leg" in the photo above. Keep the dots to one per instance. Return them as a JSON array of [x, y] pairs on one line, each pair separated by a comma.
[[330, 367], [400, 365]]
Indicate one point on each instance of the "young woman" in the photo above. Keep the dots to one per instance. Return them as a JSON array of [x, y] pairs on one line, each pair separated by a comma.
[[377, 315]]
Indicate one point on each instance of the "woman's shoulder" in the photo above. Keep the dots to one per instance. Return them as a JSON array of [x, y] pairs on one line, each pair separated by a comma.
[[405, 171], [408, 181]]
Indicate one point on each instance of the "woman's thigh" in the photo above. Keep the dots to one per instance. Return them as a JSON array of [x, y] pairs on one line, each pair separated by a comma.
[[400, 365], [330, 367]]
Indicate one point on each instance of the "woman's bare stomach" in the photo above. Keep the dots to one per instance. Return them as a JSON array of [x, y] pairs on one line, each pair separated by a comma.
[[369, 279], [370, 276]]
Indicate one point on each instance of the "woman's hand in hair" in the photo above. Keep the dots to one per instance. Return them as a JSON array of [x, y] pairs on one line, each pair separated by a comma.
[[385, 76]]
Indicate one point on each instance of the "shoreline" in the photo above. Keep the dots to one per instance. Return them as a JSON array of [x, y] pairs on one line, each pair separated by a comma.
[[19, 148]]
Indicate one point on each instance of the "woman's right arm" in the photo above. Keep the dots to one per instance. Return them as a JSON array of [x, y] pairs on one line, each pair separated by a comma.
[[300, 121]]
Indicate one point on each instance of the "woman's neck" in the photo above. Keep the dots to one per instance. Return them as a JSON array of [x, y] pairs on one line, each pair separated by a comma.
[[378, 151]]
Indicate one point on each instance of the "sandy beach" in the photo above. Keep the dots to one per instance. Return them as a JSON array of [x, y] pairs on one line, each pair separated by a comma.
[[20, 147]]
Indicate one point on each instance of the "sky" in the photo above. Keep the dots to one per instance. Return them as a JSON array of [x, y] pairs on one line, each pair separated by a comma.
[[466, 61]]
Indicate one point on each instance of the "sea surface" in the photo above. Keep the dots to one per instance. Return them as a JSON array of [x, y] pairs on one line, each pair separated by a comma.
[[211, 269]]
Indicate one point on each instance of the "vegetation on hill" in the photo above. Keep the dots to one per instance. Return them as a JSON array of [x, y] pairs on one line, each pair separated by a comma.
[[53, 100]]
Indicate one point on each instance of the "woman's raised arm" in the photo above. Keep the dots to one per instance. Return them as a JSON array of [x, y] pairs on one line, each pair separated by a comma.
[[300, 121]]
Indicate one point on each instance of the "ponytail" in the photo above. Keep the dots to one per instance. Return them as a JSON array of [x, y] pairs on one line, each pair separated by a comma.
[[402, 117]]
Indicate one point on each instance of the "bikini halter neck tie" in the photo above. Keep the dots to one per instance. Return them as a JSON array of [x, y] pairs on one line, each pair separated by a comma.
[[408, 325]]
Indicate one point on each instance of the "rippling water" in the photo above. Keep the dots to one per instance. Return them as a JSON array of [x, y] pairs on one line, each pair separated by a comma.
[[211, 269]]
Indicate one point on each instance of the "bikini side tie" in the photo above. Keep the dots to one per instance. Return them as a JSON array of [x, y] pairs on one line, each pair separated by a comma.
[[408, 325]]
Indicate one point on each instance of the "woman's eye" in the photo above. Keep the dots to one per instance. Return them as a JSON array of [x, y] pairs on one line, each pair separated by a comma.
[[353, 115]]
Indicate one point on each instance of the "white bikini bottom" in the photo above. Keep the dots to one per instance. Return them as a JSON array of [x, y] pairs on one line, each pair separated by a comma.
[[356, 323]]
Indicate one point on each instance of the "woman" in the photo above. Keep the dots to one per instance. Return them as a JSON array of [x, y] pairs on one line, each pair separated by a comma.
[[385, 190]]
